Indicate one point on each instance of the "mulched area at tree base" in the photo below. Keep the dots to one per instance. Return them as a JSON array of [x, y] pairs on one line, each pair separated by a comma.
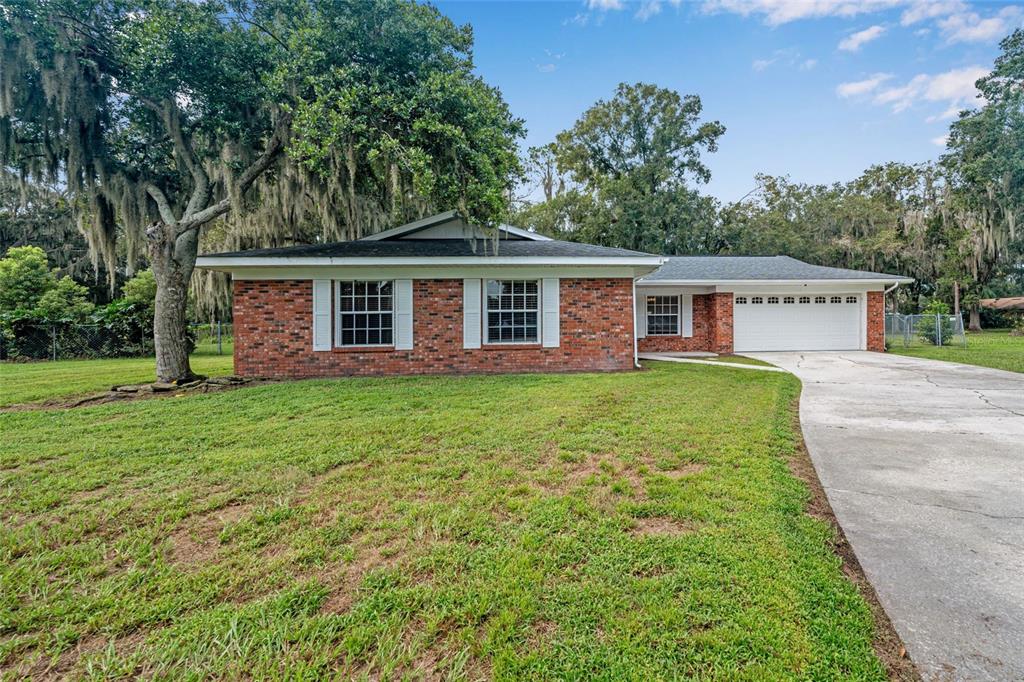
[[157, 389]]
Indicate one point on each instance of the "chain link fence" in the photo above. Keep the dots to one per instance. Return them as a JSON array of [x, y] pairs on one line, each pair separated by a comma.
[[69, 341], [908, 331], [214, 337], [40, 341]]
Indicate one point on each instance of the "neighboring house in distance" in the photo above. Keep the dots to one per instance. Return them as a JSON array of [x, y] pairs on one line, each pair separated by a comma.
[[439, 296]]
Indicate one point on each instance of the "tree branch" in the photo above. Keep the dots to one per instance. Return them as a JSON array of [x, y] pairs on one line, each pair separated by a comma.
[[162, 205], [274, 147], [183, 147]]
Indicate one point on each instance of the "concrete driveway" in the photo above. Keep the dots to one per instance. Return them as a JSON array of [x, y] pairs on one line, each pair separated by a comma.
[[923, 462]]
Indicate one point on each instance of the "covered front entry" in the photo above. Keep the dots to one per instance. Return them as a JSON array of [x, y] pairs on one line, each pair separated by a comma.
[[805, 321]]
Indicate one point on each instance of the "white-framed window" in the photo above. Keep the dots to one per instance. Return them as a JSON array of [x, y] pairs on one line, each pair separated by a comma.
[[819, 299], [836, 299], [365, 313], [662, 315], [805, 299], [773, 299], [851, 299], [512, 311], [741, 300], [756, 299], [788, 299]]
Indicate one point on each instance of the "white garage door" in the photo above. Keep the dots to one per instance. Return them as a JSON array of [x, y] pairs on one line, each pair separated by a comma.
[[796, 322]]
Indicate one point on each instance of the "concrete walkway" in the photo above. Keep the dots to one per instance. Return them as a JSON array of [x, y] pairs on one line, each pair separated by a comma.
[[695, 360], [923, 463]]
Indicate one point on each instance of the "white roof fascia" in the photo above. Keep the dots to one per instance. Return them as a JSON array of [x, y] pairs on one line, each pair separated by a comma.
[[768, 282], [525, 234], [228, 263]]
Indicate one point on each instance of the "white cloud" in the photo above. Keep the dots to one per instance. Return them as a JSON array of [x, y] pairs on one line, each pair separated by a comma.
[[970, 27], [604, 5], [940, 140], [649, 8], [776, 12], [646, 9], [955, 88], [920, 10], [789, 56], [854, 41], [864, 87], [952, 111], [552, 64], [957, 20]]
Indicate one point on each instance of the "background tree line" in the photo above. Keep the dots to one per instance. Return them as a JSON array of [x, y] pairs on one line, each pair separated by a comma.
[[136, 133], [628, 173]]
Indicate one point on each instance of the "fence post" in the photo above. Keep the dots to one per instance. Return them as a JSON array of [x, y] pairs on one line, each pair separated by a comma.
[[938, 329], [220, 350], [53, 342]]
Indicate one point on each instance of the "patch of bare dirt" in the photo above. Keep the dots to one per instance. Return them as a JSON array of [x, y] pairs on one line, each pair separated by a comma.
[[577, 474], [660, 525], [45, 668], [541, 633], [887, 643], [684, 470], [197, 540], [346, 578]]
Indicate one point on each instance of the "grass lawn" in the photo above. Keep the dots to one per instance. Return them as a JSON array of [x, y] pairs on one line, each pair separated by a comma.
[[35, 381], [614, 526], [995, 348], [738, 360]]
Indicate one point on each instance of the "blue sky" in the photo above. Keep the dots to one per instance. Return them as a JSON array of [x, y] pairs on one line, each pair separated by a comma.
[[818, 89]]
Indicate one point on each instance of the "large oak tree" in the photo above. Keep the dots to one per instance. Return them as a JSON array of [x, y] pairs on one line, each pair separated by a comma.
[[311, 118]]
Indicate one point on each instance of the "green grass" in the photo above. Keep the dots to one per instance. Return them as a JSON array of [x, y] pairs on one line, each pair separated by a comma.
[[640, 525], [738, 360], [995, 348], [37, 381]]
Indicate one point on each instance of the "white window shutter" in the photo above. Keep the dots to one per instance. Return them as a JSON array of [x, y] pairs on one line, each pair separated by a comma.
[[321, 314], [686, 314], [549, 308], [471, 313], [403, 314], [641, 314]]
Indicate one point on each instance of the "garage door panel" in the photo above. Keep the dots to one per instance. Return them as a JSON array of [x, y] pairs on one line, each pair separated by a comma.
[[796, 326]]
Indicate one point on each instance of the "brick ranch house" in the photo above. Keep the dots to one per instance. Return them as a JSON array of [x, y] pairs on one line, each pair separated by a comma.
[[437, 296]]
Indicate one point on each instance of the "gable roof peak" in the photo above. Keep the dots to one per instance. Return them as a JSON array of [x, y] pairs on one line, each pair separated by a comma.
[[448, 225]]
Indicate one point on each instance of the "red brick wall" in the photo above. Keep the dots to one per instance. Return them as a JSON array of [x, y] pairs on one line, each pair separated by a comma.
[[712, 328], [721, 315], [273, 335], [700, 341], [876, 321]]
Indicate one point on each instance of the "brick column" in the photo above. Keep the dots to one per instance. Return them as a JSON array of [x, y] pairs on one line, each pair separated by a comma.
[[876, 321], [721, 328]]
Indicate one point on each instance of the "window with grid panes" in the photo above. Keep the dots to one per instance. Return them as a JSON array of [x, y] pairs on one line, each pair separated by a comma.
[[512, 309], [365, 313], [662, 315]]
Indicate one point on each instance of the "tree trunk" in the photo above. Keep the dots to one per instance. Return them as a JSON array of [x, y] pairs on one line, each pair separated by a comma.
[[974, 324], [173, 261]]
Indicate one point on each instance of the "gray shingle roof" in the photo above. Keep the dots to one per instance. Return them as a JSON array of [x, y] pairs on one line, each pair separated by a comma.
[[444, 248], [725, 268]]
